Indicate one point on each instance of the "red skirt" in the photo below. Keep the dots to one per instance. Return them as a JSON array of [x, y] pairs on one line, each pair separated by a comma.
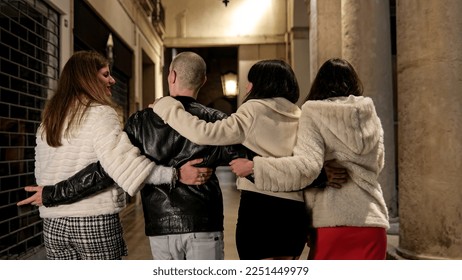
[[349, 243]]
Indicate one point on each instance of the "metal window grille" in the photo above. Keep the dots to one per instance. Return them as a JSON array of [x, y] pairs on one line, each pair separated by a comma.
[[29, 67]]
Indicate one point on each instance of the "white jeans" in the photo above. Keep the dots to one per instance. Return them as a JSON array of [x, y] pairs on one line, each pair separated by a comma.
[[188, 246]]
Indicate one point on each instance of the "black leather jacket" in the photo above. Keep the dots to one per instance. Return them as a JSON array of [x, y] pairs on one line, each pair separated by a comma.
[[167, 209]]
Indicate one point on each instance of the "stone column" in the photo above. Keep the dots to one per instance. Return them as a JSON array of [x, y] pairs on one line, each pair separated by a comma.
[[366, 45], [325, 33], [299, 46], [429, 40]]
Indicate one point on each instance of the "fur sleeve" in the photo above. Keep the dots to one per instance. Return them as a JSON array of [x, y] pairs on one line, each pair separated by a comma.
[[298, 171], [229, 131], [119, 158]]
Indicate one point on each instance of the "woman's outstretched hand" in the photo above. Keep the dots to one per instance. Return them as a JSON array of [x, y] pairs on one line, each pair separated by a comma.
[[35, 199]]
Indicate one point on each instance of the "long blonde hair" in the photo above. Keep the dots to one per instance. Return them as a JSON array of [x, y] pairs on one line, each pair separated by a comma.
[[78, 88]]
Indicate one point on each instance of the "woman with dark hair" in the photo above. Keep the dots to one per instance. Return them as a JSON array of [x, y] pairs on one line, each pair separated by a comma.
[[337, 123], [335, 78], [269, 224]]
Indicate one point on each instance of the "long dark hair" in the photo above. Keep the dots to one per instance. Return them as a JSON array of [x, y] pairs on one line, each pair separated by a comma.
[[335, 78], [273, 78]]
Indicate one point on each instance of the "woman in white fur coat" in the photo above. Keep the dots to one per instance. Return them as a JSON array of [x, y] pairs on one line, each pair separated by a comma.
[[337, 123]]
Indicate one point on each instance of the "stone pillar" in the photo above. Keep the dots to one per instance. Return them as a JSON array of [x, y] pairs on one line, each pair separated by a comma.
[[366, 45], [300, 46], [429, 40], [325, 33]]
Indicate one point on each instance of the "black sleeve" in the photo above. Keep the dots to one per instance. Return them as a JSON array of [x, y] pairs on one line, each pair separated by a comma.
[[88, 181], [222, 155]]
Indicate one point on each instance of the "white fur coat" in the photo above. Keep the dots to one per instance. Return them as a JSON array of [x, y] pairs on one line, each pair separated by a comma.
[[99, 137], [349, 131]]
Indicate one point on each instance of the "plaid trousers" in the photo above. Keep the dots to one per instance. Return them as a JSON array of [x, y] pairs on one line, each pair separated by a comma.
[[84, 238]]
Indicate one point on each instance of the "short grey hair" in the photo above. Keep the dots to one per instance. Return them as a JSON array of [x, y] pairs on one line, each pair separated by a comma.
[[190, 69]]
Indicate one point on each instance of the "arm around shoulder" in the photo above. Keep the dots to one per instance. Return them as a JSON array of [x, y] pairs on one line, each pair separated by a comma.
[[228, 131]]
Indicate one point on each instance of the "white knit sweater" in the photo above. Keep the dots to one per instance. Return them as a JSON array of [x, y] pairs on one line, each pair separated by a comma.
[[348, 130], [266, 126], [98, 137]]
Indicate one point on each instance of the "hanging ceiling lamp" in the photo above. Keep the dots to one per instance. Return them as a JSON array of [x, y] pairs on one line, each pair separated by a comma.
[[225, 2]]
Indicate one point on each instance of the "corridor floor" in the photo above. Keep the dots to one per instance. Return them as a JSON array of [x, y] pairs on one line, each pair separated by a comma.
[[138, 243]]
